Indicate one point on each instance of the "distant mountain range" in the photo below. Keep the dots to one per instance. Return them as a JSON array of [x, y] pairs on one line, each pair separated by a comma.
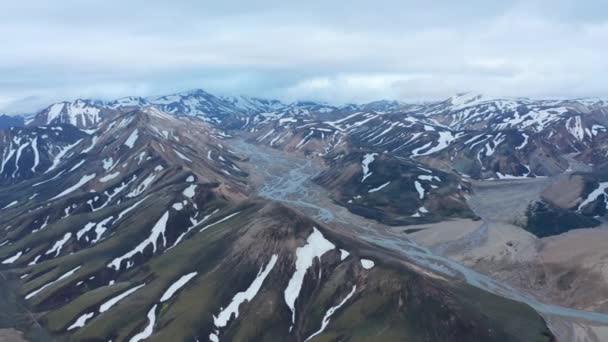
[[477, 137]]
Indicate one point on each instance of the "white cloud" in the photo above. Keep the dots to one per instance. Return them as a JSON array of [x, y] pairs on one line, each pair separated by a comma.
[[344, 51]]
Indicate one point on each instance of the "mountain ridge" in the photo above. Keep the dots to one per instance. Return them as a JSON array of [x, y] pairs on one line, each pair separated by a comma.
[[148, 205]]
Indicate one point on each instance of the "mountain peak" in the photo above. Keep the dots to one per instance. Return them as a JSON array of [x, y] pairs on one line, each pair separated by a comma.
[[195, 92], [467, 99], [129, 101]]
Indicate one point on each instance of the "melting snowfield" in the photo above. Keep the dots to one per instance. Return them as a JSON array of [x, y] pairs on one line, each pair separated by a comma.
[[287, 179]]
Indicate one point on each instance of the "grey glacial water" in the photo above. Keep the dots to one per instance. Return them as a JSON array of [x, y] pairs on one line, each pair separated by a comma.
[[287, 178]]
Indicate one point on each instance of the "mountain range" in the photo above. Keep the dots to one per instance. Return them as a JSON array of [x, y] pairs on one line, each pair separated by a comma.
[[200, 217]]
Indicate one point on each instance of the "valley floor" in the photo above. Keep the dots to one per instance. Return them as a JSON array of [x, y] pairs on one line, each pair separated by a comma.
[[501, 249], [10, 335]]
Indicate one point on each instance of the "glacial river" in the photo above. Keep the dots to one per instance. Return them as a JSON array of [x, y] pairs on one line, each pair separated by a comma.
[[287, 178]]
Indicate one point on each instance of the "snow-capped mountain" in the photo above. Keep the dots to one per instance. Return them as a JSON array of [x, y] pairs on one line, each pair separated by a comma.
[[486, 137], [79, 113], [476, 111], [253, 105], [196, 103], [87, 113], [145, 226], [193, 216], [129, 101]]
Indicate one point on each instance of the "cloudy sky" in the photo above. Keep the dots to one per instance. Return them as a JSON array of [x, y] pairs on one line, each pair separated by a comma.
[[334, 51]]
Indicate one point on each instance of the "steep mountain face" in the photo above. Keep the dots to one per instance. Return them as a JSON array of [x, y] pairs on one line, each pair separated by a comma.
[[127, 223], [544, 219], [575, 200]]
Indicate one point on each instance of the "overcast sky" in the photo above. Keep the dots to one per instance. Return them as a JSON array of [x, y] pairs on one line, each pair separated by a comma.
[[334, 51]]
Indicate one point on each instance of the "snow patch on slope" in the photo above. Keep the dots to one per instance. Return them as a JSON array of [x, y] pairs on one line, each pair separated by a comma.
[[181, 282], [316, 246], [157, 231], [222, 319], [367, 159], [130, 142]]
